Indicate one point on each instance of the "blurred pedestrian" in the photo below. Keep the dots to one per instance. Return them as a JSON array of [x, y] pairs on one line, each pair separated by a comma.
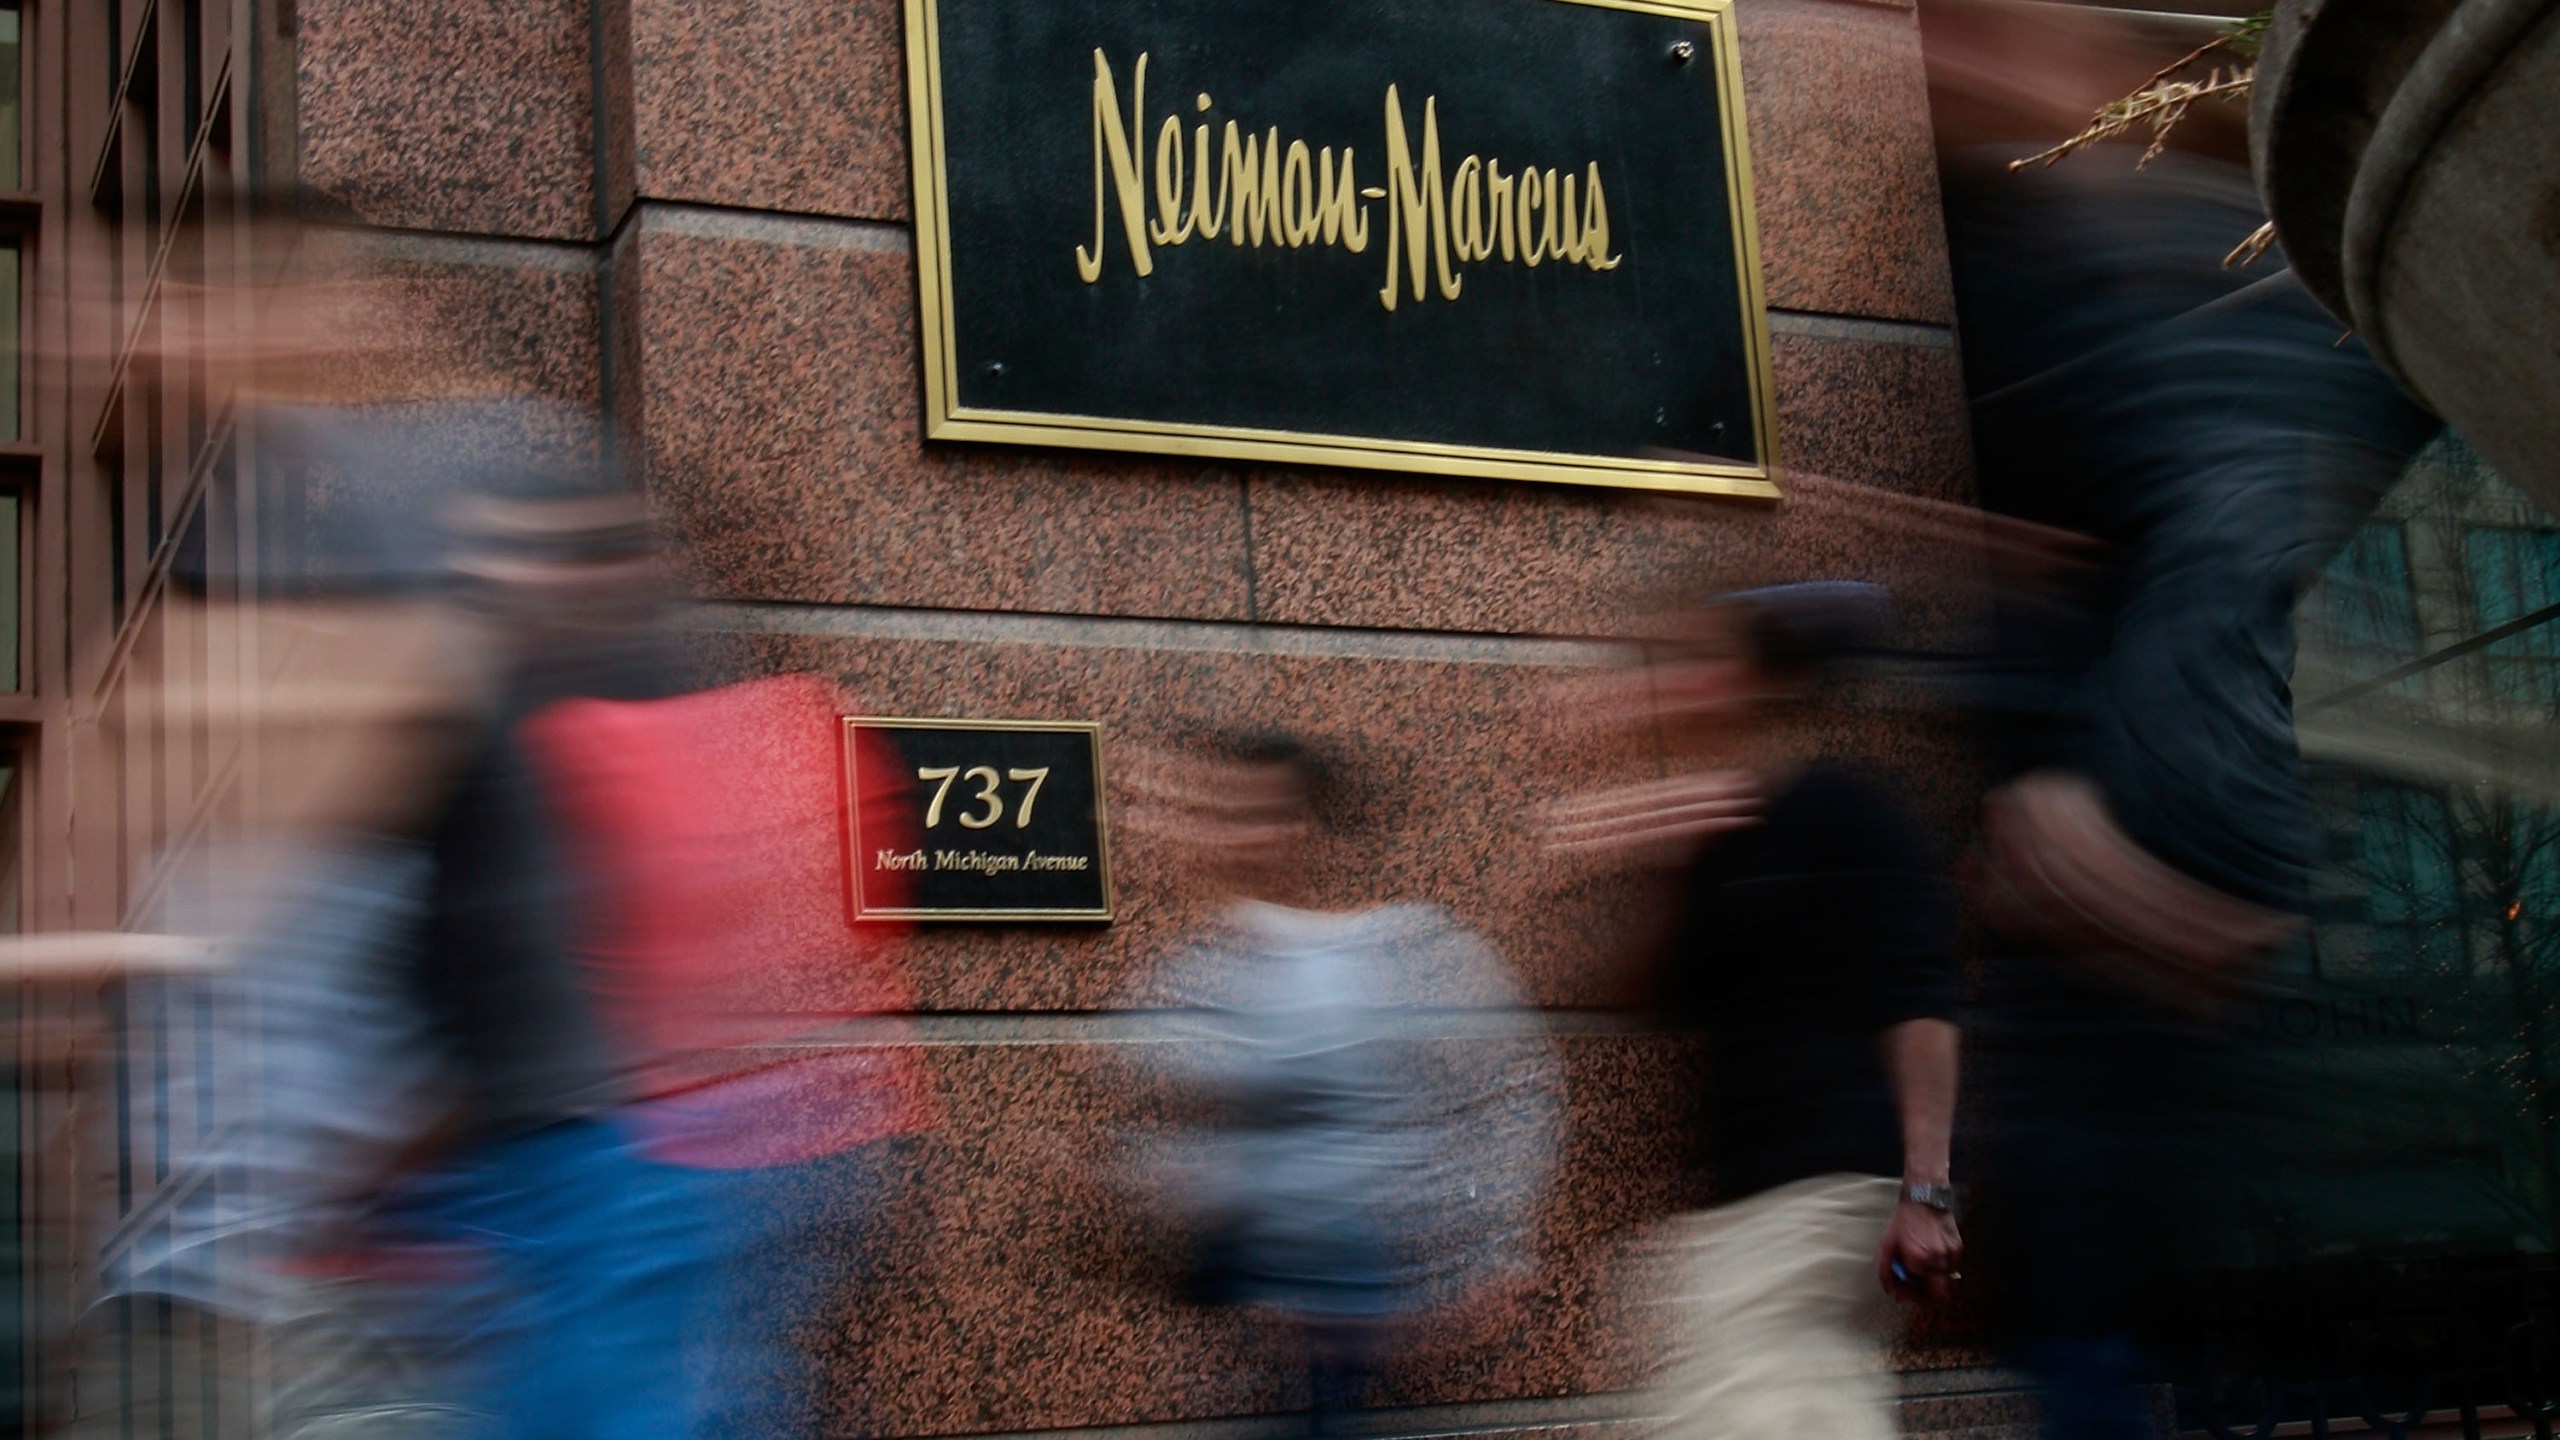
[[1352, 1165], [595, 1247], [762, 1020], [1814, 963], [318, 1083], [2214, 437]]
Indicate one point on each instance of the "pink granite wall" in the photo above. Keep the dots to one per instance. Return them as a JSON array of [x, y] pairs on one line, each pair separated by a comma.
[[730, 179]]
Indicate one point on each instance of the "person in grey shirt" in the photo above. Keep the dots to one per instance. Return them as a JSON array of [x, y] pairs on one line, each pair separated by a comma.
[[1372, 1111]]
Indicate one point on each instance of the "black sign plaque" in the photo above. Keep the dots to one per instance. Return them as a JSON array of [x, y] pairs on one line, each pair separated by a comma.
[[1506, 238], [996, 820]]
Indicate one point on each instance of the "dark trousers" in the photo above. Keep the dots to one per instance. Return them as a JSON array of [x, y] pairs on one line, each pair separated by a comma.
[[2103, 1128]]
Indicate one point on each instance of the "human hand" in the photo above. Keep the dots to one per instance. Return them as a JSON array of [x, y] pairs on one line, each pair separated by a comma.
[[1926, 1246]]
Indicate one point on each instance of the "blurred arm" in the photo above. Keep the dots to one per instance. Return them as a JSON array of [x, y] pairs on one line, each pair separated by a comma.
[[1920, 1060], [1911, 922], [72, 956]]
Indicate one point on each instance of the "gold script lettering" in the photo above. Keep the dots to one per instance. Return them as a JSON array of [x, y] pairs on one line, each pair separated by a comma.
[[1172, 226], [1298, 194], [1466, 210], [1203, 213], [1269, 189], [1417, 207], [1532, 190], [1595, 224], [1251, 187], [1109, 135], [1346, 220]]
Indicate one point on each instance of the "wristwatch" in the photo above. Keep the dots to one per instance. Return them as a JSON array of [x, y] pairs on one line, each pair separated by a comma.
[[1941, 1198]]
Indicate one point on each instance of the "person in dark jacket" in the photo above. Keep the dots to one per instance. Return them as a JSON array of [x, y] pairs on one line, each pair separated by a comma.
[[2213, 437], [1813, 960]]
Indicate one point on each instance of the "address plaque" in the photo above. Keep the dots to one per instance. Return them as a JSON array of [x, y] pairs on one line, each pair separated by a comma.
[[999, 820]]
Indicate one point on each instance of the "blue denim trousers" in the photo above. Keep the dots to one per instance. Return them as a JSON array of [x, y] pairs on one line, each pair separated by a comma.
[[594, 1258], [797, 1251]]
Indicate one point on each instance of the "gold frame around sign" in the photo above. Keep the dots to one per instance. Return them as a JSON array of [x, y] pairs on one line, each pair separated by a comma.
[[945, 419], [1092, 729]]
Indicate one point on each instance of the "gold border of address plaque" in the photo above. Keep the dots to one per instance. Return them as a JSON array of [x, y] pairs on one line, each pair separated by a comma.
[[946, 420], [853, 818]]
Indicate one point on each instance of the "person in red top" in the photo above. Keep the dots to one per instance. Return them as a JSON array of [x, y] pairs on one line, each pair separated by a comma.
[[710, 827], [755, 1019]]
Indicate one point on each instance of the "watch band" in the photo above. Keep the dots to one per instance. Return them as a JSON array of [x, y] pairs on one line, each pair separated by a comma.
[[1941, 1198]]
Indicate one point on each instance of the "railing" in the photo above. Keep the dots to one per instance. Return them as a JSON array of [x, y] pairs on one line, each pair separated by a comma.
[[2391, 1350]]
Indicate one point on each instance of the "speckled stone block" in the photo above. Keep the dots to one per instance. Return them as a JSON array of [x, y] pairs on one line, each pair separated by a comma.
[[1040, 1294], [467, 115], [524, 323], [1886, 415], [772, 105], [1983, 1414], [1444, 767], [778, 375], [617, 143], [1394, 551], [1844, 174]]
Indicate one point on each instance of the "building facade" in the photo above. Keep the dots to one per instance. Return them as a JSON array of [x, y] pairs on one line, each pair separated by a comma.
[[698, 217]]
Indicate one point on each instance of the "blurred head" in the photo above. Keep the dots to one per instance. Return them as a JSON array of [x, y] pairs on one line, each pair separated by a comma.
[[1745, 654], [1261, 815], [559, 561]]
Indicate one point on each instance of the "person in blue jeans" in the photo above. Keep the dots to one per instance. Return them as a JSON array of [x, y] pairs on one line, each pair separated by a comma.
[[592, 1252]]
